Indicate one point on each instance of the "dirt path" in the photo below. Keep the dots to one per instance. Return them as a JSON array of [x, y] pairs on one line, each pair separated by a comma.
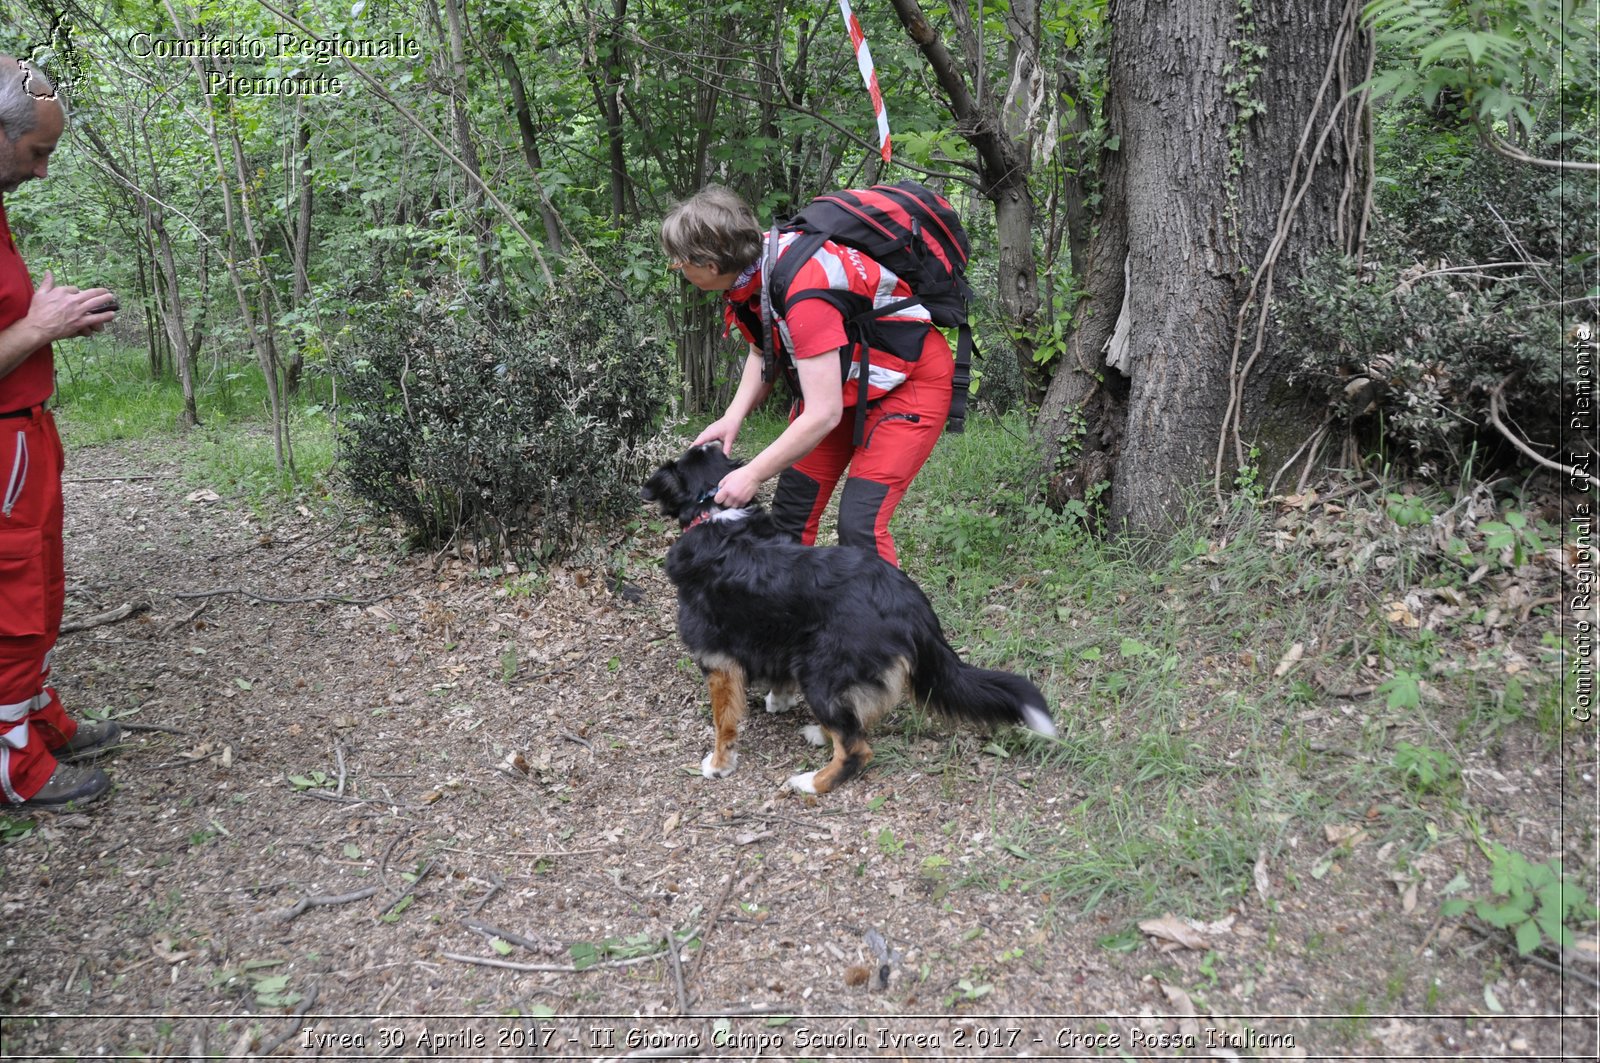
[[477, 800]]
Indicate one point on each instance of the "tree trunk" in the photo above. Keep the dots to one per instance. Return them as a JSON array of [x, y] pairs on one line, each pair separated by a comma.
[[172, 318], [302, 240], [530, 150], [708, 365], [1000, 133], [605, 81], [260, 325], [1236, 161], [465, 146]]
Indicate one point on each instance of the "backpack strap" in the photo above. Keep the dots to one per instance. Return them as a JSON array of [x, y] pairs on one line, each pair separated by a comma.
[[961, 382], [769, 260]]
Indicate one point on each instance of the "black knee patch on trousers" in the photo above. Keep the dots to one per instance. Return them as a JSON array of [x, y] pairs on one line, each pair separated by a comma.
[[792, 502], [858, 512]]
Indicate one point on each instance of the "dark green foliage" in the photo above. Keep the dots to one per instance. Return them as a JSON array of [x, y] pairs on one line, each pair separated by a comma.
[[1459, 296], [1416, 354], [513, 434]]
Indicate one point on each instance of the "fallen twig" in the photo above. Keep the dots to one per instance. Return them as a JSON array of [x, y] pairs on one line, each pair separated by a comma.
[[422, 874], [306, 903], [1496, 406], [110, 616], [191, 618], [736, 1011], [337, 599], [483, 902], [108, 479], [715, 911], [549, 968], [543, 947], [1562, 969], [1491, 935], [338, 756], [163, 728], [296, 1022], [676, 963]]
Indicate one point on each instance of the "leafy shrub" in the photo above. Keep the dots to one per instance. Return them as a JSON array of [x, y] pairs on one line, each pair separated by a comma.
[[1453, 305], [1421, 352], [511, 433], [1460, 293], [1536, 902]]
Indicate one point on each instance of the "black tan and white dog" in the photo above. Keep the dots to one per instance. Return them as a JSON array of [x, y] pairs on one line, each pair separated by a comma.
[[838, 624]]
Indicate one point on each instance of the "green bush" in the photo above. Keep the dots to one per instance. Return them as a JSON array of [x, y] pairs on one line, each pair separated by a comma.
[[1416, 354], [511, 434], [1457, 299]]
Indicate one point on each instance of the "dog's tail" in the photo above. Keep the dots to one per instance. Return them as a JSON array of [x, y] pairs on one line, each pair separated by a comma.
[[947, 685]]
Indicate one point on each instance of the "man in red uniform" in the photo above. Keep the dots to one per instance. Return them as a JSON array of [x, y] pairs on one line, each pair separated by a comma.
[[715, 240], [37, 739]]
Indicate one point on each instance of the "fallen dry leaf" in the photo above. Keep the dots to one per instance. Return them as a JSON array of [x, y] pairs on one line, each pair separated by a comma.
[[1400, 613], [1263, 882], [1183, 1008], [1173, 932], [1290, 659], [1344, 834]]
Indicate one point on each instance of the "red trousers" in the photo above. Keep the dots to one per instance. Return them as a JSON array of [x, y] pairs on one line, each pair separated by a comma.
[[901, 430], [32, 593]]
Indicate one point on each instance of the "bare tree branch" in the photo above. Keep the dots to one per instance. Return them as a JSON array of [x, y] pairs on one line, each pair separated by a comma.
[[1497, 403]]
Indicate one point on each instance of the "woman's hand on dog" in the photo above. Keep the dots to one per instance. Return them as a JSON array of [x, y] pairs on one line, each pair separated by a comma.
[[724, 430], [737, 488]]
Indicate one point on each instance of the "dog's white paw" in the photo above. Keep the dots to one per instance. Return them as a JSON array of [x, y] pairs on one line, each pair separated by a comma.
[[814, 734], [711, 772], [802, 784], [782, 702]]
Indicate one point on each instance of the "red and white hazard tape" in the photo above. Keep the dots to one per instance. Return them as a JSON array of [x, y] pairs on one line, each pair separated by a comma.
[[869, 74]]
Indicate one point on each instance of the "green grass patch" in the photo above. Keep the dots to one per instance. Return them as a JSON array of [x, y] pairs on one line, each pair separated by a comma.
[[106, 394]]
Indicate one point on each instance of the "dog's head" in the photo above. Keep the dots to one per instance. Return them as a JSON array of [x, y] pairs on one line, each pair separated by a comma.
[[684, 488]]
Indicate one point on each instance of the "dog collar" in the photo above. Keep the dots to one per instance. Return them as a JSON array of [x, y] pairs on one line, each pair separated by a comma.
[[707, 498]]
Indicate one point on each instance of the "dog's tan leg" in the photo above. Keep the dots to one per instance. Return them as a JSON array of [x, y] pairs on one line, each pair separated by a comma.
[[727, 710], [850, 758]]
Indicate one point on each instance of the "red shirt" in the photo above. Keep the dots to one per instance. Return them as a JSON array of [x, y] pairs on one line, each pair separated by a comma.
[[32, 381]]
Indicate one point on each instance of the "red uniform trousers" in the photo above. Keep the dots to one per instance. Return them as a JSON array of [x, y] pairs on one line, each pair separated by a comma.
[[901, 430], [32, 594]]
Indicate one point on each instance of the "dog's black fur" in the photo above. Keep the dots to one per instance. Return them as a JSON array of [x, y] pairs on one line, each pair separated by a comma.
[[844, 627]]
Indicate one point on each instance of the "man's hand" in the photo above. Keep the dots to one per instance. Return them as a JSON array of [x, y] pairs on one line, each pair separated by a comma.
[[64, 312]]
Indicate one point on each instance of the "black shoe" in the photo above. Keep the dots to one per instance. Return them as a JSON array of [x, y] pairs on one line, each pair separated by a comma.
[[68, 786], [95, 738]]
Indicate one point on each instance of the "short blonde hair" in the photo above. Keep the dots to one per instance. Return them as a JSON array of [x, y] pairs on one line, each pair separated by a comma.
[[715, 228]]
